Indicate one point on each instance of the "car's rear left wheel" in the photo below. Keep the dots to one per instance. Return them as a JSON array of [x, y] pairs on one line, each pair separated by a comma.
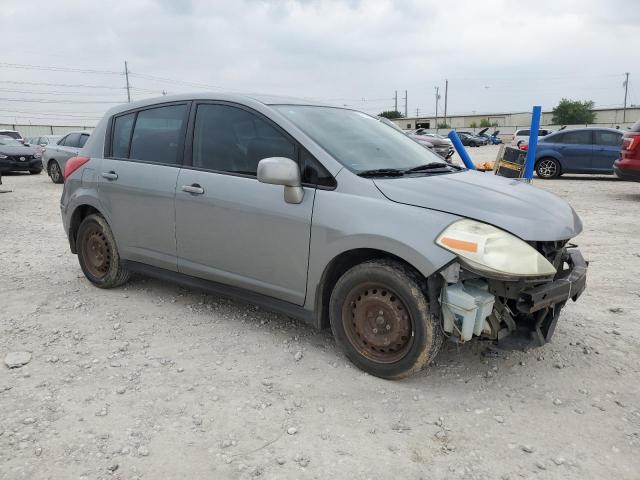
[[380, 318], [98, 254], [55, 172], [548, 168]]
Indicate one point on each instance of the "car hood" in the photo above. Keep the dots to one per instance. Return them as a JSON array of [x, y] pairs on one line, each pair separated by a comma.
[[526, 211], [11, 150]]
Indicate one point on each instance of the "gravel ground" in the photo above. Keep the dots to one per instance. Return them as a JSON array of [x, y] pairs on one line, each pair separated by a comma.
[[153, 381]]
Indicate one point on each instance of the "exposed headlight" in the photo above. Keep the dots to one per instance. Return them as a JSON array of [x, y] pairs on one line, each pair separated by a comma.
[[485, 248]]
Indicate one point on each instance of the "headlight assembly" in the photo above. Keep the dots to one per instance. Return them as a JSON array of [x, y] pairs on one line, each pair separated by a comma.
[[487, 249]]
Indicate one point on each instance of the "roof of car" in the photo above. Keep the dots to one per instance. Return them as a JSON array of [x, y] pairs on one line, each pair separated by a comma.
[[229, 97], [581, 129]]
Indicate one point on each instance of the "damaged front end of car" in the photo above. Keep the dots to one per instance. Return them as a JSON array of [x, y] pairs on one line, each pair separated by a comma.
[[502, 288]]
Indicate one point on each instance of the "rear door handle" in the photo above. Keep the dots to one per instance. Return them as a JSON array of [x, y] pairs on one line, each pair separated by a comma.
[[110, 175], [193, 189]]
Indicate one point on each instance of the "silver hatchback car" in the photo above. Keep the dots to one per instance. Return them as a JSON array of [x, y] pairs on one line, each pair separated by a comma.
[[56, 153], [325, 214]]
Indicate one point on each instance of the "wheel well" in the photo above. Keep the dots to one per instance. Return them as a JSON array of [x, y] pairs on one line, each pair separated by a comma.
[[79, 214], [336, 268]]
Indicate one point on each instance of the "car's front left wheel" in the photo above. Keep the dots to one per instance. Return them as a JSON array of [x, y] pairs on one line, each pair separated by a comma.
[[380, 318], [98, 254]]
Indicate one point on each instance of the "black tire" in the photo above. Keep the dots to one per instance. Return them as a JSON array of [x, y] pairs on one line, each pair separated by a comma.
[[388, 288], [35, 171], [55, 172], [548, 167], [520, 142], [98, 253]]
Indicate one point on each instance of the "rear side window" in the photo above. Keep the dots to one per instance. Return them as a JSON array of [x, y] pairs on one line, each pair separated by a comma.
[[157, 134], [608, 139], [122, 127], [577, 138], [72, 140], [83, 140], [230, 139], [523, 133]]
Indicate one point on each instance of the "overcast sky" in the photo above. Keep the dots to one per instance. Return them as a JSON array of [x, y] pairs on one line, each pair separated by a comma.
[[498, 55]]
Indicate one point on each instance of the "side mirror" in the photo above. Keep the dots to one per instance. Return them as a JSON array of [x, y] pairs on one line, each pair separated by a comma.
[[282, 171]]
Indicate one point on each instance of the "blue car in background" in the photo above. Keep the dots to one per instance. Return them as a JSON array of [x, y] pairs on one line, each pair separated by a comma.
[[581, 150]]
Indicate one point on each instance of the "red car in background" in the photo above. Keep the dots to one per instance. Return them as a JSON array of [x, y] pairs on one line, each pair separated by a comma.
[[627, 167]]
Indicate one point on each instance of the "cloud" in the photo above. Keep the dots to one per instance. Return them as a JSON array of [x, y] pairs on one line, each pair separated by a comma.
[[497, 54]]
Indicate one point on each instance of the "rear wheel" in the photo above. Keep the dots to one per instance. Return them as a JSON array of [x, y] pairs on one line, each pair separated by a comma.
[[98, 253], [55, 172], [380, 318], [548, 168]]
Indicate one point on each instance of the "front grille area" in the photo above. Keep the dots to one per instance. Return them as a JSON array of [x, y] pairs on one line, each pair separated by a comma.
[[16, 158]]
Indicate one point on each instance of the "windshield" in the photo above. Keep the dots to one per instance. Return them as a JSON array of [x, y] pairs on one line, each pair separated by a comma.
[[10, 142], [357, 140]]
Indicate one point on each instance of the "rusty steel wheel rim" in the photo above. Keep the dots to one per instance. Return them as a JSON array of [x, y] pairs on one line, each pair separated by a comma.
[[377, 323], [96, 252]]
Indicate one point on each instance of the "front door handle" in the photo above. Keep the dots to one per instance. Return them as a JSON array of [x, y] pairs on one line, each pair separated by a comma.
[[110, 175], [193, 189]]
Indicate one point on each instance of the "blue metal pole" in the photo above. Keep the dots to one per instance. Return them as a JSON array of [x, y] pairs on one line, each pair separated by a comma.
[[533, 143], [457, 144]]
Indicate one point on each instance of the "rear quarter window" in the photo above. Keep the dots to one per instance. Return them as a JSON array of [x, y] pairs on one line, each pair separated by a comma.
[[121, 138]]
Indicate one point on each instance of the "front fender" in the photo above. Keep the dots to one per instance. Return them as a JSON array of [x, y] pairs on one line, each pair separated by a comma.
[[344, 222]]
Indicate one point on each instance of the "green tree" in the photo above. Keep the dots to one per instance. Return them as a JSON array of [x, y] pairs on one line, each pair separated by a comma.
[[473, 125], [573, 112], [485, 122], [444, 125], [391, 114]]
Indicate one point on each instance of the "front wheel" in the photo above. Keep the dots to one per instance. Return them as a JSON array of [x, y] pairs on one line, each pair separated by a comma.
[[380, 318], [548, 168], [98, 254]]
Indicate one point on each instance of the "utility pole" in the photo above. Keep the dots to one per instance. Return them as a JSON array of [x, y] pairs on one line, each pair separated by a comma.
[[626, 88], [396, 102], [437, 97], [446, 91], [417, 112], [406, 113], [126, 76]]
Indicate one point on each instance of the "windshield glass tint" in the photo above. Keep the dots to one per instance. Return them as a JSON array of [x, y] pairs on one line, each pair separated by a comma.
[[10, 142], [357, 140]]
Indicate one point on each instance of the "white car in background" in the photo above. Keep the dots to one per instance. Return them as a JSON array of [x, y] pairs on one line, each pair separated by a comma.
[[522, 136]]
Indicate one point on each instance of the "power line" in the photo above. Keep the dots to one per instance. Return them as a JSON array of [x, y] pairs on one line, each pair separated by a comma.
[[57, 69], [40, 92], [71, 85], [173, 81], [45, 100]]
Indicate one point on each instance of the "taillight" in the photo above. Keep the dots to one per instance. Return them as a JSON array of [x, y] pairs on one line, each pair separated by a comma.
[[73, 164], [631, 141]]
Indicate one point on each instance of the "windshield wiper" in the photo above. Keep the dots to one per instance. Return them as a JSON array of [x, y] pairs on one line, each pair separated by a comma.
[[382, 172], [427, 166]]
